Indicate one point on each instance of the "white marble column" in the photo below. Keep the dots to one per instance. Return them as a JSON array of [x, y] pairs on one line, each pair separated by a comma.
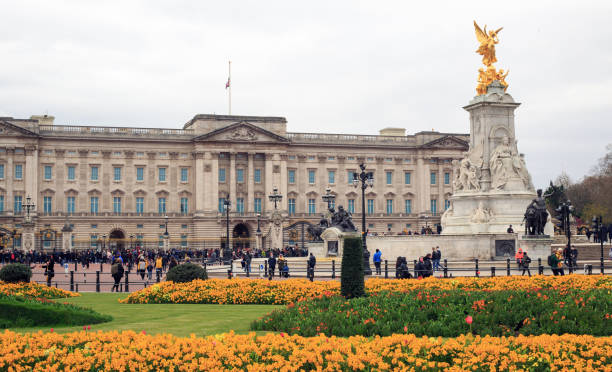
[[250, 207], [440, 187], [420, 205]]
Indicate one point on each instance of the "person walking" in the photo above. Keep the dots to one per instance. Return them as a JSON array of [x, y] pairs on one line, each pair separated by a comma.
[[271, 265], [159, 265], [525, 264], [312, 261], [553, 263], [150, 270], [142, 267], [117, 274], [377, 259], [50, 270], [574, 257], [173, 263], [428, 266], [419, 269]]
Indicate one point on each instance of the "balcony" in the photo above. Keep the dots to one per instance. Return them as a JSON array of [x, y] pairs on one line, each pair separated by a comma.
[[355, 139], [88, 131]]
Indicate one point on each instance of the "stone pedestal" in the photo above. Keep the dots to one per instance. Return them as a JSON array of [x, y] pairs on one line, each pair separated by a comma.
[[67, 237], [28, 242], [333, 241], [318, 249], [537, 246], [276, 230], [166, 243]]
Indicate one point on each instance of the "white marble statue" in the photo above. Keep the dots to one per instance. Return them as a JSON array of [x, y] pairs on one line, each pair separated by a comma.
[[501, 164], [481, 214]]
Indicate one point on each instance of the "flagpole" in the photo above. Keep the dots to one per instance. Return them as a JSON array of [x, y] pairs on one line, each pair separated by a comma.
[[230, 87]]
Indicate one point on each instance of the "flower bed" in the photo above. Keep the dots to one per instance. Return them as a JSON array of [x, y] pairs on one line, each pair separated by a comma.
[[114, 351], [283, 292], [444, 312], [34, 290]]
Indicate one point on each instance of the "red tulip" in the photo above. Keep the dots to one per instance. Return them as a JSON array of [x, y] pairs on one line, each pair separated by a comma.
[[405, 329], [51, 329], [468, 319], [88, 328], [84, 328], [144, 332]]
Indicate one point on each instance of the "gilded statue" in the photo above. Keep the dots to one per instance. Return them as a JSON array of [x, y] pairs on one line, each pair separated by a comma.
[[487, 42]]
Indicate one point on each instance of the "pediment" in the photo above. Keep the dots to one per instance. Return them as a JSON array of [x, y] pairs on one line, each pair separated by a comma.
[[8, 129], [241, 132], [447, 142]]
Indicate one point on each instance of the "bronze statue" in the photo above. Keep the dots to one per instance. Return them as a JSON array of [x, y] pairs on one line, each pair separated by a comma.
[[343, 220], [536, 215]]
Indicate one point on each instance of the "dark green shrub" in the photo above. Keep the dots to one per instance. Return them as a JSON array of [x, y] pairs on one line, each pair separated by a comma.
[[32, 312], [15, 273], [352, 284], [186, 273]]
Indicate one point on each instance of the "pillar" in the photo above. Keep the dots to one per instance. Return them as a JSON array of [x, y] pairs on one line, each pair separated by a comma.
[[268, 181], [231, 178], [201, 190], [10, 175], [250, 207]]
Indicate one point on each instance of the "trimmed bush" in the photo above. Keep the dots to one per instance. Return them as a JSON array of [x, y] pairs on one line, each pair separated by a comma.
[[15, 273], [443, 313], [186, 272], [351, 280], [17, 311]]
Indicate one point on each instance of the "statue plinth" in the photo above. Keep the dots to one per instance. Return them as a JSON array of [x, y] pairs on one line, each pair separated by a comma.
[[333, 241]]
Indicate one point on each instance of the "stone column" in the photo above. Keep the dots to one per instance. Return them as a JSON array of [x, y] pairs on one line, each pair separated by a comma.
[[59, 176], [10, 175], [283, 187], [231, 178], [83, 204], [440, 188], [31, 180], [268, 183], [201, 190], [213, 196], [250, 207]]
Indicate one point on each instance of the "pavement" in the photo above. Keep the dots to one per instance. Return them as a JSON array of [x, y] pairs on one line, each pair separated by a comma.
[[85, 278]]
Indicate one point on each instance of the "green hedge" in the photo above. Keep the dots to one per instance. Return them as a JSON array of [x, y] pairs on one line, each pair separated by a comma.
[[186, 273], [443, 313], [15, 273], [351, 279], [18, 312]]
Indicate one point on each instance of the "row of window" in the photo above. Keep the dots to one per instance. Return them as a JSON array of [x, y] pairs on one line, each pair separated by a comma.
[[331, 177], [18, 171], [240, 175], [95, 173], [184, 205]]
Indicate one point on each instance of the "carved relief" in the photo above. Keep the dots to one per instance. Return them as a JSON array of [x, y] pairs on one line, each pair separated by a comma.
[[241, 134], [481, 214], [467, 175], [506, 163]]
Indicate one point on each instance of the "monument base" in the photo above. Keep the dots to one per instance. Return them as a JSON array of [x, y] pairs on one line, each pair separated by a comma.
[[536, 246], [333, 242]]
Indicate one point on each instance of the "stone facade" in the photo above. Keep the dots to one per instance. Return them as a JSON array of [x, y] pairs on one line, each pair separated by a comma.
[[119, 182]]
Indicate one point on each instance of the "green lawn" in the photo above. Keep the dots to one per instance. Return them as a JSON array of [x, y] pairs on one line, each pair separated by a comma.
[[178, 319]]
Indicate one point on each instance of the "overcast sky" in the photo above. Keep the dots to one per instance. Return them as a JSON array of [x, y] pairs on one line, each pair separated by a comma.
[[327, 66]]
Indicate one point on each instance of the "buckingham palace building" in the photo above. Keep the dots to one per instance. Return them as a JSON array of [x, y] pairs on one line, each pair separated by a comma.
[[120, 186]]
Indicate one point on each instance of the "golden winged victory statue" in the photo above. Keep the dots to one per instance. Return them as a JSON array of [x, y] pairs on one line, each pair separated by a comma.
[[487, 50]]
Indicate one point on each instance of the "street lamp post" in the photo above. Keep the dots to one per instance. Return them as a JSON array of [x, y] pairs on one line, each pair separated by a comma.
[[329, 198], [258, 232], [227, 205], [364, 179], [564, 210], [598, 227], [275, 197]]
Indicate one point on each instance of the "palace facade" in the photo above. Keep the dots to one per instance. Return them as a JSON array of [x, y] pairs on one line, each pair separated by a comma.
[[119, 183]]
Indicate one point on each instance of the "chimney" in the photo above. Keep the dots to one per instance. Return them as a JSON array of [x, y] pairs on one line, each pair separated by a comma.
[[43, 119]]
